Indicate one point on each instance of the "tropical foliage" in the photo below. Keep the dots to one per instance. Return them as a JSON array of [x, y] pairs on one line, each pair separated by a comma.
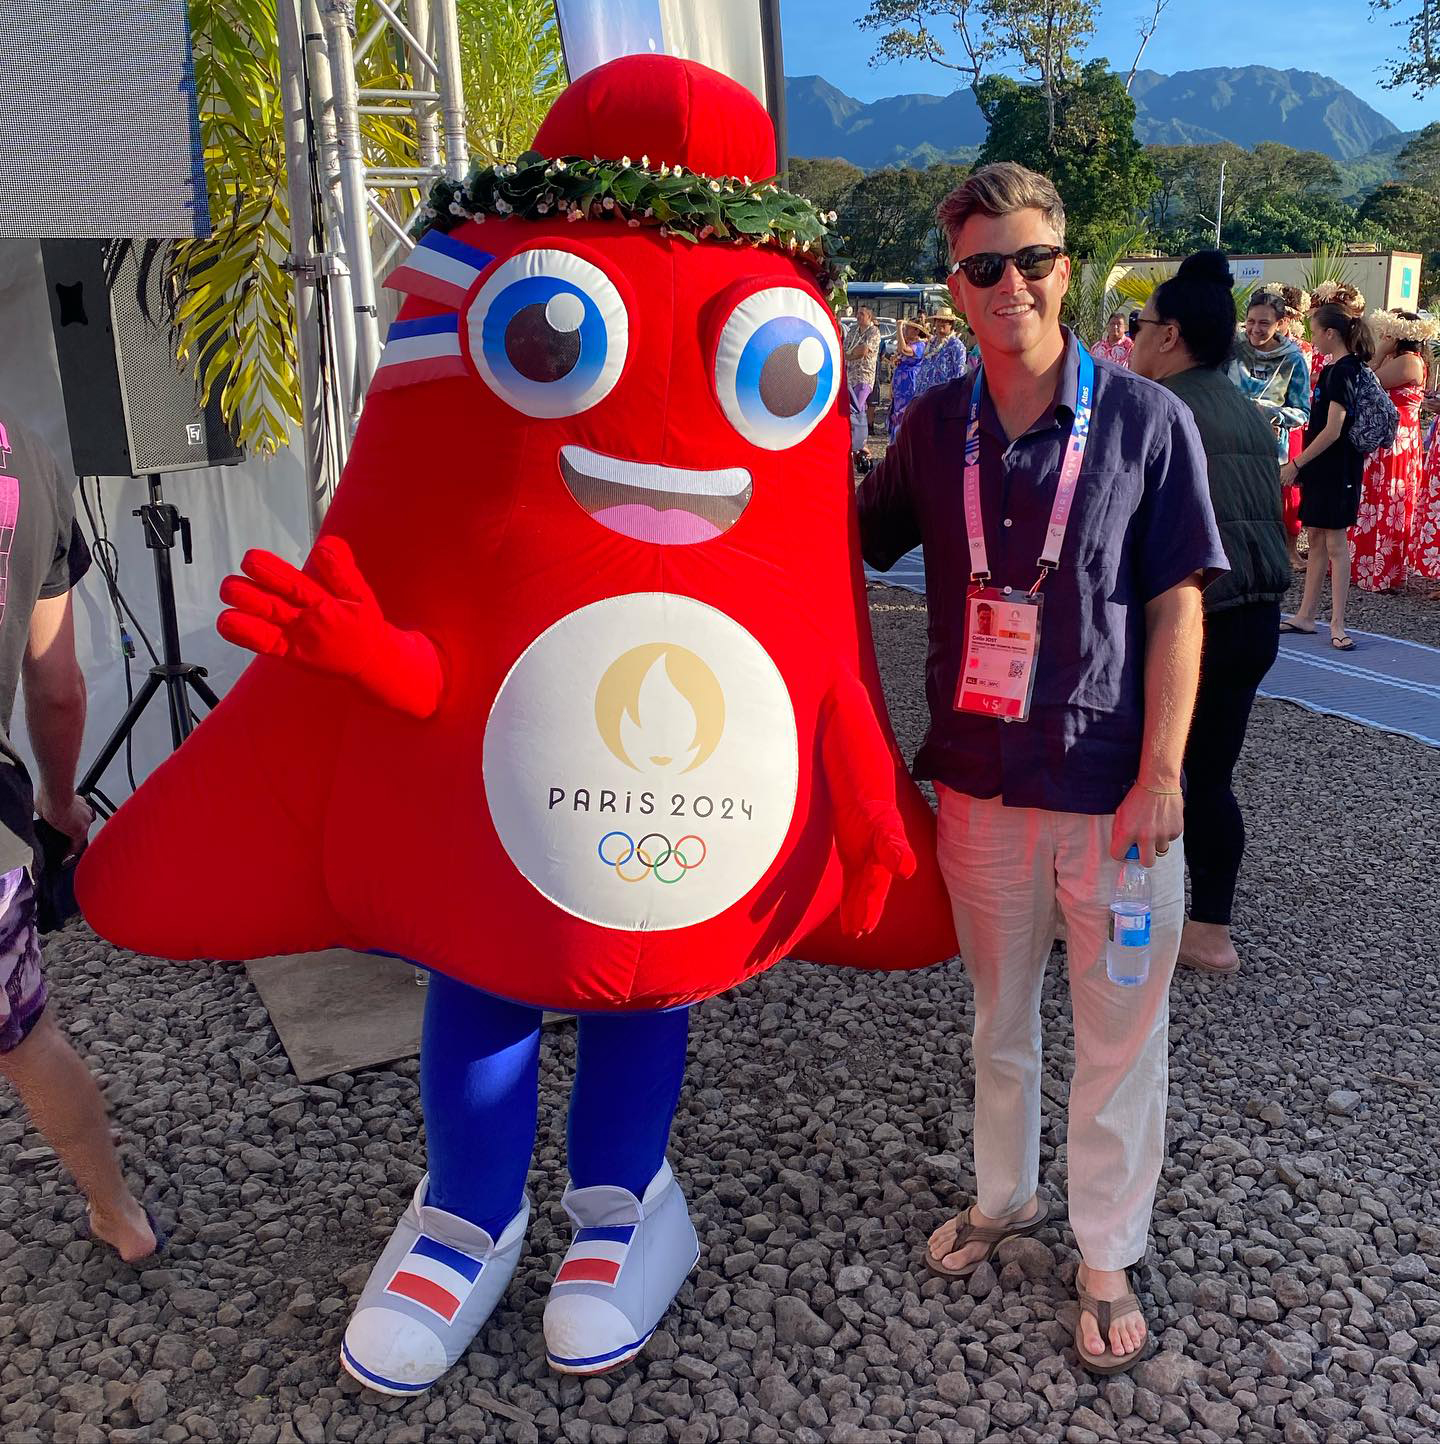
[[1083, 139], [234, 312], [887, 223], [1418, 65], [1095, 282]]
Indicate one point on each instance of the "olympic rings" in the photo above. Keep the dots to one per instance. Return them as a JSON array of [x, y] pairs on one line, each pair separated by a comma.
[[648, 862]]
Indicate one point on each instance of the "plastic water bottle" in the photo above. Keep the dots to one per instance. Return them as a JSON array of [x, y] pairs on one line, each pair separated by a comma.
[[1127, 954]]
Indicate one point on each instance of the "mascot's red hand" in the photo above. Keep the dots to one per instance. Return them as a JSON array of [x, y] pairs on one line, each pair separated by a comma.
[[869, 832], [328, 619]]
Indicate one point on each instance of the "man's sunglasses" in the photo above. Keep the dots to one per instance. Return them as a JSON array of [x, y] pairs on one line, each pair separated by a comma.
[[985, 268]]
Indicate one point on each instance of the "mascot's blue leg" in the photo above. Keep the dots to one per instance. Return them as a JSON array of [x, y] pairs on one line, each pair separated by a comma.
[[479, 1071], [634, 1243], [457, 1244]]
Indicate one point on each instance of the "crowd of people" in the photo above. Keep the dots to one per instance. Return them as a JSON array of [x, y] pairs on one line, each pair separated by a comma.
[[1372, 518]]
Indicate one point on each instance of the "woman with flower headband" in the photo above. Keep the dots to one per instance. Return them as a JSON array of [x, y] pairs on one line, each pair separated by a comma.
[[1269, 368], [1381, 535], [1340, 293]]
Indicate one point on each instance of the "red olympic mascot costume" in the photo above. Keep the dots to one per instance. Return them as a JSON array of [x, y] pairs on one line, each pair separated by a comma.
[[574, 702]]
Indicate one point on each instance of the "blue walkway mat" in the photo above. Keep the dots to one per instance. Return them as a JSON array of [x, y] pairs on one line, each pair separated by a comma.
[[1385, 683]]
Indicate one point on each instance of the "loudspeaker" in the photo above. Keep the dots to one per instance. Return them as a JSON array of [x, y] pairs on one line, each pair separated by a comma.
[[131, 408]]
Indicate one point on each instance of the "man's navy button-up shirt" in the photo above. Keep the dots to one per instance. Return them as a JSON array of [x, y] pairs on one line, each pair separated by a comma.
[[1141, 523]]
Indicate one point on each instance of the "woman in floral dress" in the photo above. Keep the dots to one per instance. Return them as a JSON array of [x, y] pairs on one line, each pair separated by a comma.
[[1381, 535], [1423, 551], [910, 350]]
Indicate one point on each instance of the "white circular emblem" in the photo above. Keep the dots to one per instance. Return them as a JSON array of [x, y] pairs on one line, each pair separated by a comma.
[[641, 762]]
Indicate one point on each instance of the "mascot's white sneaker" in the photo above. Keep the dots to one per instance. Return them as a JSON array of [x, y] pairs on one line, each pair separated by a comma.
[[436, 1283], [624, 1267]]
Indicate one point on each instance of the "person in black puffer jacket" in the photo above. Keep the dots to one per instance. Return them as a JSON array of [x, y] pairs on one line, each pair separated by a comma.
[[1186, 332]]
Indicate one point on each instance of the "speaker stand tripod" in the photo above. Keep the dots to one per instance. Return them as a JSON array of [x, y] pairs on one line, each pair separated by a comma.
[[162, 523]]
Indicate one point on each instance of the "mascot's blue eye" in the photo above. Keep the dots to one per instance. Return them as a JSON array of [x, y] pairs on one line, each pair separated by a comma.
[[548, 333], [777, 366]]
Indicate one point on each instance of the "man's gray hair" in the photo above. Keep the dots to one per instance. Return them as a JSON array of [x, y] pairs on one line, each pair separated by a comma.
[[1000, 190]]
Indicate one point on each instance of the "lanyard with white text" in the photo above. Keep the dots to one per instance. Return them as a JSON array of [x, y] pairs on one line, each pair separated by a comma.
[[1064, 488]]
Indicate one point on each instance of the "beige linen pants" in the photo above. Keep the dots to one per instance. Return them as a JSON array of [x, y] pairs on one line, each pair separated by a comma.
[[1008, 869]]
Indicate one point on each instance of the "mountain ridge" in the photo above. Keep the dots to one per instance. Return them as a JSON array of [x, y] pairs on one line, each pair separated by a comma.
[[1244, 104]]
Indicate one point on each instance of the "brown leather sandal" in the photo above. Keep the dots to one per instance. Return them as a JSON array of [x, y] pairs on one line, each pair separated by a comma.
[[1106, 1311], [992, 1238]]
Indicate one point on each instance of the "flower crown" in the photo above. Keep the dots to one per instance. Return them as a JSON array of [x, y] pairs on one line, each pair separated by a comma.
[[1387, 323], [1339, 293], [680, 202]]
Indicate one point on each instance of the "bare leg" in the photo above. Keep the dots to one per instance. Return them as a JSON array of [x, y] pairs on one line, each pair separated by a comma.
[[65, 1105], [1314, 579], [1339, 546]]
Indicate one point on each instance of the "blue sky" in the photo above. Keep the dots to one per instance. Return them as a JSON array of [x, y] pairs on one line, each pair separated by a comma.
[[1334, 37]]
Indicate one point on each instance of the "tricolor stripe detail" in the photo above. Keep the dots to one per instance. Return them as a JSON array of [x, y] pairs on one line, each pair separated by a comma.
[[426, 349], [435, 1276], [596, 1256], [440, 268]]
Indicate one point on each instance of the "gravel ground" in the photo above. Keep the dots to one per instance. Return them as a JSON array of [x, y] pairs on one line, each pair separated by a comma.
[[1293, 1287]]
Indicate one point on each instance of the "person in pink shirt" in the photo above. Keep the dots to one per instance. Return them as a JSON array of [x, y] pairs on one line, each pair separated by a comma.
[[1116, 345]]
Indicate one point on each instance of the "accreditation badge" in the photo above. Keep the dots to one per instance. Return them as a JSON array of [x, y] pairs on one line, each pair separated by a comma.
[[1002, 637]]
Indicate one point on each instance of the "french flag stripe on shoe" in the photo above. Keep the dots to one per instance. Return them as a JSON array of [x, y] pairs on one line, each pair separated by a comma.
[[436, 1277], [596, 1256]]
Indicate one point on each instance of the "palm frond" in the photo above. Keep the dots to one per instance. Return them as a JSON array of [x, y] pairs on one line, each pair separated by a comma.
[[233, 309], [1327, 264], [1094, 286]]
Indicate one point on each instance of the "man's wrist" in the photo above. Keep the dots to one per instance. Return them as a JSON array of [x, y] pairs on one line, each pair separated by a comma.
[[1162, 784]]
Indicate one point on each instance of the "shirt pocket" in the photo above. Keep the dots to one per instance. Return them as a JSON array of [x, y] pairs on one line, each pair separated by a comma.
[[1100, 521]]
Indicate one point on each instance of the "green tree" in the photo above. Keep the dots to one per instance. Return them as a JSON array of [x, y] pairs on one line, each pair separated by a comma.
[[887, 224], [235, 310], [1298, 223], [1101, 171], [1418, 65], [1410, 214], [1419, 162], [1040, 38], [826, 180]]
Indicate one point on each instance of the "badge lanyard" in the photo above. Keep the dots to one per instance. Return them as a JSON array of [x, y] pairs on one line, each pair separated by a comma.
[[1002, 633], [1064, 488]]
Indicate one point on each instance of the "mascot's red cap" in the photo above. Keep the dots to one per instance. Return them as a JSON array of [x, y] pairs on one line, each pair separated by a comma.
[[673, 111]]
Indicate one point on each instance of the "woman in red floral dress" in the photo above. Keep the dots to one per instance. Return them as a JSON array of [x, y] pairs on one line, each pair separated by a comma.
[[1380, 538], [1423, 552]]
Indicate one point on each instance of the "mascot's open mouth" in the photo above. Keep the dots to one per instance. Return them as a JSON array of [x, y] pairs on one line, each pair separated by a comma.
[[671, 505]]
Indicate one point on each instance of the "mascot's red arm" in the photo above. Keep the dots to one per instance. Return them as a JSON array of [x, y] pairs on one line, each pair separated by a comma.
[[328, 619], [869, 830]]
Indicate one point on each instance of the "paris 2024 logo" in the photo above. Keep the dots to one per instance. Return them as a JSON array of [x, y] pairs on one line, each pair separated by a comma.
[[642, 784]]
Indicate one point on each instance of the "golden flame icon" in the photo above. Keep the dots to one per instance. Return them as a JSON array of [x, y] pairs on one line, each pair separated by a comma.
[[658, 706]]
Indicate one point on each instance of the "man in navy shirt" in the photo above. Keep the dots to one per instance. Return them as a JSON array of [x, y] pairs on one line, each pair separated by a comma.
[[1055, 744]]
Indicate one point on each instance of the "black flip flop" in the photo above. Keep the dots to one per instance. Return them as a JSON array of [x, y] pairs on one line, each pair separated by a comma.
[[1288, 626], [1343, 644]]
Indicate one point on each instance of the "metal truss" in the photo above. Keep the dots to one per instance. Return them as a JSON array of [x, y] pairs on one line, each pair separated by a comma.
[[346, 228]]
